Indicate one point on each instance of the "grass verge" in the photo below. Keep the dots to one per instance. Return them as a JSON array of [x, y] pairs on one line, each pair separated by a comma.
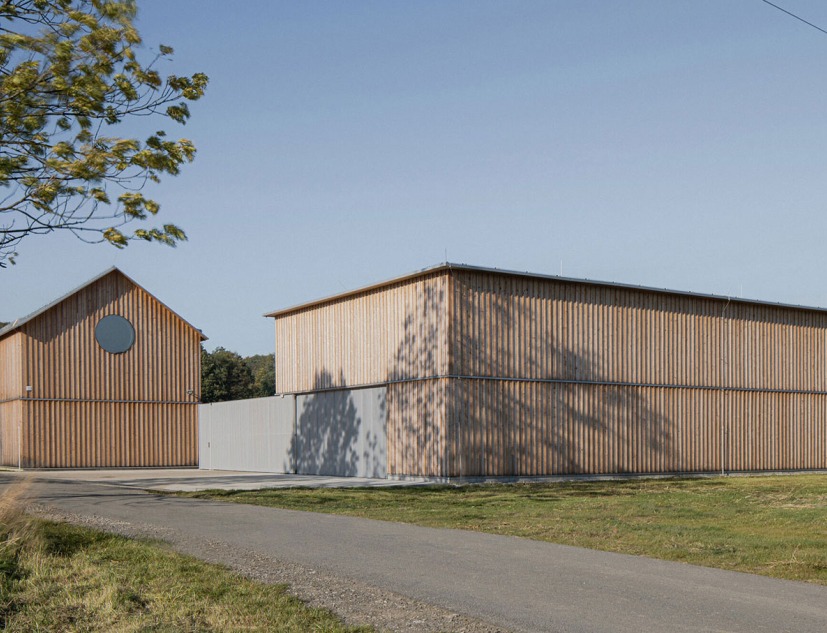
[[60, 577], [775, 526]]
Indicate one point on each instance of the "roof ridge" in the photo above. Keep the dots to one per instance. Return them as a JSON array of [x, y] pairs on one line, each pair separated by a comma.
[[17, 323]]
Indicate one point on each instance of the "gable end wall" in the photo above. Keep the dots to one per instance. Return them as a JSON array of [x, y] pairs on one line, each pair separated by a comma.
[[90, 408]]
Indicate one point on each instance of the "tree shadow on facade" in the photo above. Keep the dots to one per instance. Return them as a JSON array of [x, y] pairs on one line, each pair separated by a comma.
[[341, 432], [550, 408], [516, 401], [374, 443], [417, 422], [327, 430]]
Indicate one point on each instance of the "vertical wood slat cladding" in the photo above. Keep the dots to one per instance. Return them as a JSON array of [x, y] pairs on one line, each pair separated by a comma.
[[417, 431], [717, 351], [510, 428], [538, 329], [513, 327], [90, 408], [108, 434], [10, 420], [397, 332], [11, 364], [11, 388], [501, 364], [66, 361]]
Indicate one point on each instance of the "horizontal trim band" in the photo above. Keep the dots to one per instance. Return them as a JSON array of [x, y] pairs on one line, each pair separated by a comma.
[[563, 381], [22, 399]]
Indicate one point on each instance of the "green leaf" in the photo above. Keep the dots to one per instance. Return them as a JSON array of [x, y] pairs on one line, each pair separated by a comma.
[[71, 76]]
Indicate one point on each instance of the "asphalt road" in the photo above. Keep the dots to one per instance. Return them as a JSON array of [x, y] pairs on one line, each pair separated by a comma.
[[519, 584]]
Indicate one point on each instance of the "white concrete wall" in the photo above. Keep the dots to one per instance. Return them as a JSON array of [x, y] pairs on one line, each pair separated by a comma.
[[342, 433], [254, 435], [339, 433]]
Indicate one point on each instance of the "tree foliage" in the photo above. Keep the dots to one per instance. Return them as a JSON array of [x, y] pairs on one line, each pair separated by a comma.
[[227, 376], [263, 367], [70, 78], [224, 376]]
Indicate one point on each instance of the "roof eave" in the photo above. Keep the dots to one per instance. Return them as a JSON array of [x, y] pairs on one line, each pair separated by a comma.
[[499, 271]]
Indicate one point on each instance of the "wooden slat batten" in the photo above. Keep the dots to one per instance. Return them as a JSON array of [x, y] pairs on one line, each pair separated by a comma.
[[394, 333]]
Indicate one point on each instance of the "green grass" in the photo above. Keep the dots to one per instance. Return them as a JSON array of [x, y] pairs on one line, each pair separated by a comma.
[[775, 526], [59, 577]]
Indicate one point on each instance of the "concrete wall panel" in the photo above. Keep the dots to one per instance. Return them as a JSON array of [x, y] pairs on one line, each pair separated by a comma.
[[342, 433], [254, 435]]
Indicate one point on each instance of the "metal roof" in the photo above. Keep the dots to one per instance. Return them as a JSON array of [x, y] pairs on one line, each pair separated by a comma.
[[23, 320], [447, 266]]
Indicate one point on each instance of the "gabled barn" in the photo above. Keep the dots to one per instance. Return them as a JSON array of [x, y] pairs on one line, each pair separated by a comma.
[[490, 373], [105, 376]]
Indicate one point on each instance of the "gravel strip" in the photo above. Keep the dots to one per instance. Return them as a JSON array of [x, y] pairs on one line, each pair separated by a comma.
[[357, 603]]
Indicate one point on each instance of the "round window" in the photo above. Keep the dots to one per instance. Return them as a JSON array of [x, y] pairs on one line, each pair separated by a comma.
[[114, 334]]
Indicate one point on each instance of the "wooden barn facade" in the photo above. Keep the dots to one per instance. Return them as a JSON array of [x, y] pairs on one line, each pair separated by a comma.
[[106, 376], [491, 373]]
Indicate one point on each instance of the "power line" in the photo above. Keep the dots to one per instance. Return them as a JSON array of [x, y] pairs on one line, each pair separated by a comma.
[[800, 19]]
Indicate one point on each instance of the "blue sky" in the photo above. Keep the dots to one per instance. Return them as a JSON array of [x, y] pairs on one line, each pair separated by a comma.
[[677, 144]]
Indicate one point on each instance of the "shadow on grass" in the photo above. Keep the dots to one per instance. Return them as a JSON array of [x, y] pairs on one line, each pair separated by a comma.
[[59, 539]]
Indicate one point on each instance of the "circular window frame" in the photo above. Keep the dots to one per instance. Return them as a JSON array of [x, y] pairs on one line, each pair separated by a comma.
[[115, 334]]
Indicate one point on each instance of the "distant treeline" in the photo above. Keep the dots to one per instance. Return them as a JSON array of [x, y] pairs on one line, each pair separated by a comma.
[[227, 376]]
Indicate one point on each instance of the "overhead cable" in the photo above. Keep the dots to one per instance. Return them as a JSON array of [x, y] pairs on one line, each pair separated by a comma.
[[797, 17]]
